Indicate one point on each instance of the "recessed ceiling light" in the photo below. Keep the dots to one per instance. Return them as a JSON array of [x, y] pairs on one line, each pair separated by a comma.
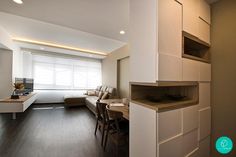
[[18, 1], [42, 48], [122, 32]]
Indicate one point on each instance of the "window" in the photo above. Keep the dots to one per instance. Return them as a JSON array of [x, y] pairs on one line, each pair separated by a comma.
[[55, 72]]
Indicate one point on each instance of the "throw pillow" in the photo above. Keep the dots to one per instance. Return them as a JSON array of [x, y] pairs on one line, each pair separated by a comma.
[[97, 93], [105, 96], [91, 93], [100, 95], [98, 88]]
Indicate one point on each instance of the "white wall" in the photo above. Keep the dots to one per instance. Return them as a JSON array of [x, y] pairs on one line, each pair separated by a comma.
[[109, 66], [5, 39], [17, 62], [27, 64], [5, 73], [10, 63]]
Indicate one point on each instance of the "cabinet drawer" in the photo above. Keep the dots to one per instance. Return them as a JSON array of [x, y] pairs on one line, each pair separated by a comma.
[[169, 124]]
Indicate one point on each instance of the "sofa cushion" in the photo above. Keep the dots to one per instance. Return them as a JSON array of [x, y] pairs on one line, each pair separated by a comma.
[[98, 88], [100, 95], [91, 93], [91, 103], [110, 90], [105, 96], [103, 89], [97, 93]]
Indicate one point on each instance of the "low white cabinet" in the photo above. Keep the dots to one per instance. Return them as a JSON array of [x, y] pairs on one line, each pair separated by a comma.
[[143, 131], [178, 132], [14, 106]]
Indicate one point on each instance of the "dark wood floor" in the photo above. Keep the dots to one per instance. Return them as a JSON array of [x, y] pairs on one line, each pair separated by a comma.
[[53, 132]]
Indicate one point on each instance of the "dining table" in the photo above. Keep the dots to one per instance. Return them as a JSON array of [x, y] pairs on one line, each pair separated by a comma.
[[117, 105]]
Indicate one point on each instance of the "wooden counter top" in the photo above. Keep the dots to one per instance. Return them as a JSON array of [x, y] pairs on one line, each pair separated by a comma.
[[165, 105]]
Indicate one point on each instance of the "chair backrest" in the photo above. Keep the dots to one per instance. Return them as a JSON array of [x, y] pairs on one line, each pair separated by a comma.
[[101, 111]]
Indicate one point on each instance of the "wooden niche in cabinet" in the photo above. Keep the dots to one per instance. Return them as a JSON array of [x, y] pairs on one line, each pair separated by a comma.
[[194, 48]]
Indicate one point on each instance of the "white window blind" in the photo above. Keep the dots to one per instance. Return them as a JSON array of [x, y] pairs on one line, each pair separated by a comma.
[[56, 72]]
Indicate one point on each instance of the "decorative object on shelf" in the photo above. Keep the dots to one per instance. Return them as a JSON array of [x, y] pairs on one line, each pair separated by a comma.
[[18, 87]]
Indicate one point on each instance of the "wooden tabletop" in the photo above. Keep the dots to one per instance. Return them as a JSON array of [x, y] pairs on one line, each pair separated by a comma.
[[124, 109]]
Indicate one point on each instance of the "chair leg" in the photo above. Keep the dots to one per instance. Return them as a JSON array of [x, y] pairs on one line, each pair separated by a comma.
[[103, 133], [106, 137], [96, 127]]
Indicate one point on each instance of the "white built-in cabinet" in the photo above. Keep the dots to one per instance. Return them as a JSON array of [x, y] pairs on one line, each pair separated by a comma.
[[156, 45], [156, 42], [179, 133]]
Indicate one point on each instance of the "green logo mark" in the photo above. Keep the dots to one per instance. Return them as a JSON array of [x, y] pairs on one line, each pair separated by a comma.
[[224, 145]]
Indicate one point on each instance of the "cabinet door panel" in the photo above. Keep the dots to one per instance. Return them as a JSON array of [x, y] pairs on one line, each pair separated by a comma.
[[190, 16], [190, 118], [190, 70], [170, 68], [205, 11], [170, 124], [204, 31], [204, 123], [143, 131], [172, 148], [204, 95], [170, 27], [205, 72], [190, 142], [143, 40]]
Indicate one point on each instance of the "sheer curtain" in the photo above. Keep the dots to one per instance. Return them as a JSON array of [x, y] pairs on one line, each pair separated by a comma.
[[57, 72]]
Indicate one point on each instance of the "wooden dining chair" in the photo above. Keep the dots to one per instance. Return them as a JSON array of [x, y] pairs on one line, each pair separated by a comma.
[[113, 128], [101, 121]]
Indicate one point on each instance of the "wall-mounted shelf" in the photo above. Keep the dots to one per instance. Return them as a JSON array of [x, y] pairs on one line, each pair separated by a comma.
[[194, 48], [165, 95]]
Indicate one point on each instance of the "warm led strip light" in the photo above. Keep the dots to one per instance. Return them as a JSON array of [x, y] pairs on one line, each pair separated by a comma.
[[59, 46]]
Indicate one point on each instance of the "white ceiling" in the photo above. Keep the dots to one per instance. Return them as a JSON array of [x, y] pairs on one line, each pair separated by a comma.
[[101, 17], [27, 28], [86, 24]]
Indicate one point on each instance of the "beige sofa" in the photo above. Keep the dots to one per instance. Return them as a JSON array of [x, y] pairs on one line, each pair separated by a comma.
[[90, 97], [91, 100]]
